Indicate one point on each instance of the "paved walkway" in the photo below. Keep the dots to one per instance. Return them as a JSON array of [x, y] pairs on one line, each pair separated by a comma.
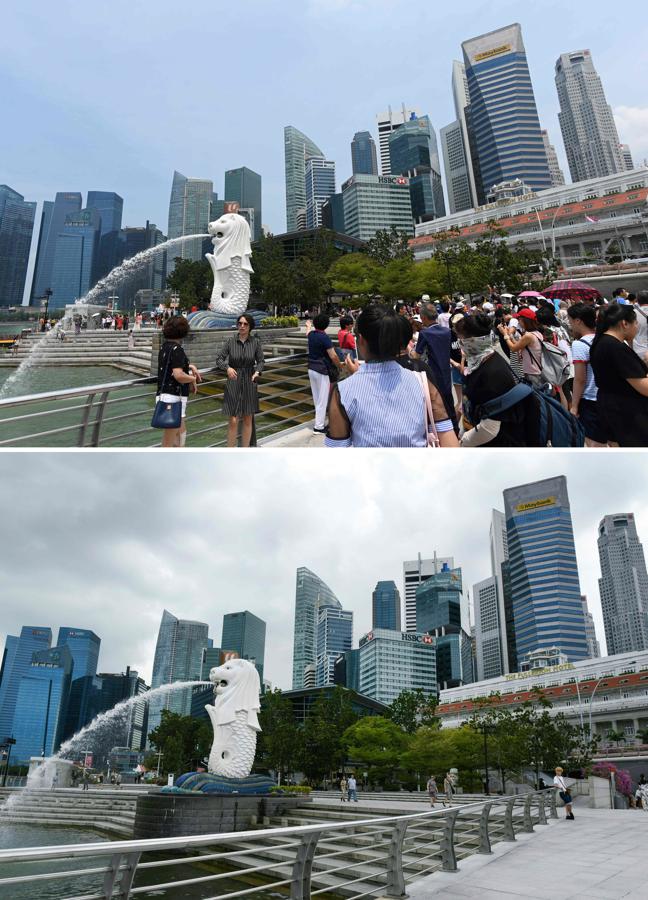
[[601, 856]]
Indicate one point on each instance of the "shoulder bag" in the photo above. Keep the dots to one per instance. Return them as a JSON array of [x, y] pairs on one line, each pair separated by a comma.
[[167, 414]]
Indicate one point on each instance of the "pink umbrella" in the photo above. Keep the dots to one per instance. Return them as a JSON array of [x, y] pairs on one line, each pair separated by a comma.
[[532, 294]]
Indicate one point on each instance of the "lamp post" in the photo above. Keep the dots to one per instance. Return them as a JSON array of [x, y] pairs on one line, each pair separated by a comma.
[[44, 305], [10, 742], [486, 728]]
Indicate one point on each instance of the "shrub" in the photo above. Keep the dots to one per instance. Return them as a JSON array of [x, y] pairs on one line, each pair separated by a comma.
[[290, 789], [622, 777], [280, 322]]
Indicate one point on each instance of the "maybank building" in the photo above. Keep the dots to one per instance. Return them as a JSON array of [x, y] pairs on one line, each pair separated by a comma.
[[545, 589], [394, 661], [502, 119]]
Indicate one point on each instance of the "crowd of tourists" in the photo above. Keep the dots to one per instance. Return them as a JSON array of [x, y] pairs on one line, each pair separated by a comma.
[[483, 373]]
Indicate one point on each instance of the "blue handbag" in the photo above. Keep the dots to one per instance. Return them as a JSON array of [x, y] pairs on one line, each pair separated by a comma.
[[165, 414]]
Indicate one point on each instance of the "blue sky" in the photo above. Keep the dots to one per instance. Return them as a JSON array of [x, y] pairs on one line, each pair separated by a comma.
[[114, 96]]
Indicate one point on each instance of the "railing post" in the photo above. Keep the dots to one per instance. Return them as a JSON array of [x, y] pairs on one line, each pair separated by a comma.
[[124, 864], [484, 836], [448, 857], [395, 876], [528, 821], [84, 421], [509, 830], [300, 888], [542, 815], [552, 805]]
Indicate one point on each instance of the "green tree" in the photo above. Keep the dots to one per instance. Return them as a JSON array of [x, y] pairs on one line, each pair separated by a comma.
[[193, 281], [323, 753], [387, 245], [379, 744], [356, 274], [184, 741], [398, 280], [278, 746], [433, 751], [412, 709]]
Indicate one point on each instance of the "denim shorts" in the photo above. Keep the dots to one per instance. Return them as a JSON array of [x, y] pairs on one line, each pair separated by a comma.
[[591, 421]]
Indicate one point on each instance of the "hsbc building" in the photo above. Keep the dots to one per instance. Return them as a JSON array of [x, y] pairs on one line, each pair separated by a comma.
[[373, 203], [394, 661]]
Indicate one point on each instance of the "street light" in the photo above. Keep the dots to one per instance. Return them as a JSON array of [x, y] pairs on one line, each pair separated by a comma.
[[10, 742], [44, 302]]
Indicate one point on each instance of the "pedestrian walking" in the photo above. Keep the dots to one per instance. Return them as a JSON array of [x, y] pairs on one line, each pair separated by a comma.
[[344, 787], [86, 779], [352, 789], [241, 357], [561, 785], [448, 789], [433, 791]]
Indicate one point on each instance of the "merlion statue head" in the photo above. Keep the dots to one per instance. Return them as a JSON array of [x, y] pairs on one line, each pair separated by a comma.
[[236, 687], [231, 237]]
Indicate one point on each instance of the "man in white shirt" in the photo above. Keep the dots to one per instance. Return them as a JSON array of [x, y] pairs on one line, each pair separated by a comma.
[[563, 790], [352, 788], [640, 342]]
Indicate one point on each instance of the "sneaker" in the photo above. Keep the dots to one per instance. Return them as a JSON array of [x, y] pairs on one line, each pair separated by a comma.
[[319, 430]]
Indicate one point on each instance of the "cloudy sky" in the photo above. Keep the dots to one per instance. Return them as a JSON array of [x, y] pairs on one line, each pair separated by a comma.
[[106, 541], [115, 96]]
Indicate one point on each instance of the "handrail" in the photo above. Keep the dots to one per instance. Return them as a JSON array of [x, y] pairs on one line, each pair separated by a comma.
[[382, 875]]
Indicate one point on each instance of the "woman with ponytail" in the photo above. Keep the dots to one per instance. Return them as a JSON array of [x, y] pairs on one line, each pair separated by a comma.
[[621, 377], [382, 404]]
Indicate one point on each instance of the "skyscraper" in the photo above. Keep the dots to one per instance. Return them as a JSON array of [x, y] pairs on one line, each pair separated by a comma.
[[626, 153], [390, 662], [16, 663], [503, 124], [623, 584], [388, 122], [16, 229], [334, 636], [500, 569], [244, 633], [363, 154], [84, 648], [593, 646], [319, 183], [110, 206], [371, 203], [178, 657], [75, 256], [311, 595], [52, 223], [457, 158], [41, 704], [189, 210], [545, 588], [152, 276], [415, 572], [386, 606], [440, 611], [414, 153], [244, 187], [557, 176], [298, 148], [487, 630], [586, 121]]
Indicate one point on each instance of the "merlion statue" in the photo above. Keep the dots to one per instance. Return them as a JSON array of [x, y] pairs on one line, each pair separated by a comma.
[[234, 716], [230, 264]]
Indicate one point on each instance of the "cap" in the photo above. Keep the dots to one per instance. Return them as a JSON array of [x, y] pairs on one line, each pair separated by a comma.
[[526, 314]]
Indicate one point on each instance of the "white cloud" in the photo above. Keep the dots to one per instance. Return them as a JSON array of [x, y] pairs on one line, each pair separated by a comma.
[[632, 123]]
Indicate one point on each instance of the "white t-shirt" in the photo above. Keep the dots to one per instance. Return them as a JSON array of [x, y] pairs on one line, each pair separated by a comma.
[[581, 353], [559, 782], [640, 343]]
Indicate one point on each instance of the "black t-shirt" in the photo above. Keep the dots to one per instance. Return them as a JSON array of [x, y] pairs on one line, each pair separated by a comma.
[[172, 355], [613, 362], [490, 380]]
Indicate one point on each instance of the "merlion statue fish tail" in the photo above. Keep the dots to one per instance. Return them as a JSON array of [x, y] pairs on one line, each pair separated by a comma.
[[234, 717], [230, 264]]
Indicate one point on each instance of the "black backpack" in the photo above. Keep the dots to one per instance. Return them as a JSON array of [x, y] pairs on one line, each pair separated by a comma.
[[548, 423]]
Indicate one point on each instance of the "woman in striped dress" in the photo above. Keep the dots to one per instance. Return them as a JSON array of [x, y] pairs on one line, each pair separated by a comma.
[[241, 357]]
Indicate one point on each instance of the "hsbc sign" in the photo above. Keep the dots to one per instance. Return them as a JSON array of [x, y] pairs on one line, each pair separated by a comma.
[[392, 179]]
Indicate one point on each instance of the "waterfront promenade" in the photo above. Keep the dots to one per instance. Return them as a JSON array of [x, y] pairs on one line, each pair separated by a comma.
[[601, 855]]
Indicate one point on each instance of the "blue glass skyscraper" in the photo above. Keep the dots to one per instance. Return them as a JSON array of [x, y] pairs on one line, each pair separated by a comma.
[[84, 648], [110, 206], [319, 183], [190, 207], [545, 588], [75, 257], [16, 662], [503, 124], [334, 636], [311, 595], [244, 633], [16, 230], [298, 148], [52, 222], [414, 154], [364, 160], [244, 186], [41, 704], [386, 606]]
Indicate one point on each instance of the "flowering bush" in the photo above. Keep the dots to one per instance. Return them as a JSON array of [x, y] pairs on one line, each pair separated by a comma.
[[622, 777]]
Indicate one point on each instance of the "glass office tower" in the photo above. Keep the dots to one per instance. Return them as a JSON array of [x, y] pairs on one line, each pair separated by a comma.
[[364, 160], [17, 659], [190, 207], [319, 183], [16, 230], [545, 588], [84, 647], [298, 148], [394, 661], [245, 633], [244, 186], [110, 207], [41, 704], [52, 223], [334, 636], [178, 657], [623, 584], [503, 123], [414, 153], [311, 595], [75, 257], [386, 606]]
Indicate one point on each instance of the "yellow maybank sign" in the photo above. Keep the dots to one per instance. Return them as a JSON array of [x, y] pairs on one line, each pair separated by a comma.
[[496, 51], [535, 504]]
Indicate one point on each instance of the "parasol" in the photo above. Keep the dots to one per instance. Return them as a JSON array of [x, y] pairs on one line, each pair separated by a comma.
[[572, 290], [530, 294]]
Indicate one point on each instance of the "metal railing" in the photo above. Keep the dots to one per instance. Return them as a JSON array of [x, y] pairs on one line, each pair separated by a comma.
[[367, 857], [118, 414]]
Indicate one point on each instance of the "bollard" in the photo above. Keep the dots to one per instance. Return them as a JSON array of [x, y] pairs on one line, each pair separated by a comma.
[[484, 837], [448, 858], [542, 815], [509, 830], [395, 876], [300, 887], [129, 862]]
